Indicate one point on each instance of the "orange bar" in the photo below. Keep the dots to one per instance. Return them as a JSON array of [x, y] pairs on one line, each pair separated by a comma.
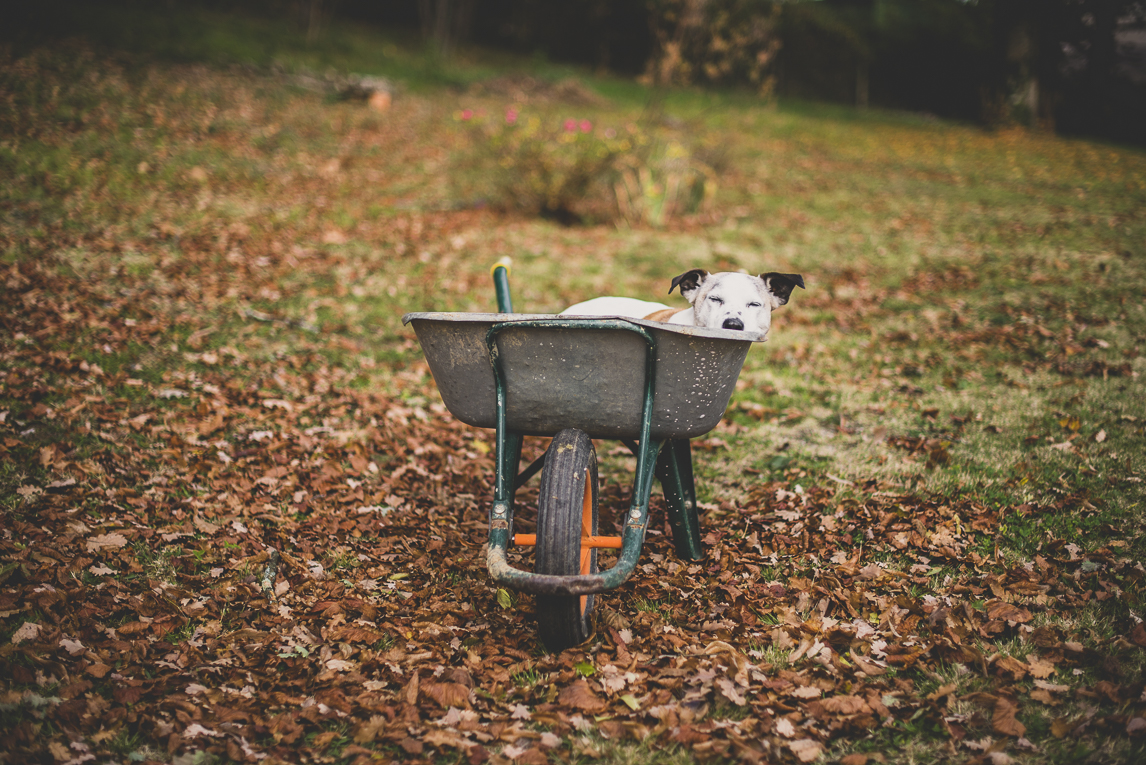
[[530, 540]]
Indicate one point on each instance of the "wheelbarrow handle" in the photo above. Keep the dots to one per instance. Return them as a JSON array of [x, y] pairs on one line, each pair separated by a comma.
[[500, 274]]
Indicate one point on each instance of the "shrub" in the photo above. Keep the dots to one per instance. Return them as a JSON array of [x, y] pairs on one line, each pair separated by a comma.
[[569, 169], [714, 41]]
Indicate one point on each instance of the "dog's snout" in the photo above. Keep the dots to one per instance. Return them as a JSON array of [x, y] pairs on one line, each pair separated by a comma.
[[733, 323]]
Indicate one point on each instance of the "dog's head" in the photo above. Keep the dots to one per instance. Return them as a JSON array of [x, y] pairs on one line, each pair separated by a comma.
[[736, 301]]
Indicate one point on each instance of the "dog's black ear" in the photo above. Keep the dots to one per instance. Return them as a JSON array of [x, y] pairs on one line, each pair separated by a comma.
[[689, 281], [781, 285]]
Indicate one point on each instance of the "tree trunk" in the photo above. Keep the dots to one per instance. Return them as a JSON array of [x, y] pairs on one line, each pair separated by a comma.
[[314, 21], [445, 23]]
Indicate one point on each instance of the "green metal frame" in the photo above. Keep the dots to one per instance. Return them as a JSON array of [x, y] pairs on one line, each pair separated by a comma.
[[674, 470], [672, 464]]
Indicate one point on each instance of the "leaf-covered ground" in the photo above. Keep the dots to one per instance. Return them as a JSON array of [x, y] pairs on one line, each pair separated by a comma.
[[239, 525]]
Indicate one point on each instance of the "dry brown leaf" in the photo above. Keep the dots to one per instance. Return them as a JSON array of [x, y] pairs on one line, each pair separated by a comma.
[[806, 749], [98, 669], [440, 739], [205, 526], [845, 705], [448, 694], [781, 639], [867, 666], [942, 691], [368, 731], [1061, 727], [1039, 668], [580, 696], [1003, 611], [1010, 667], [27, 632], [806, 692], [1003, 719], [410, 692], [100, 541]]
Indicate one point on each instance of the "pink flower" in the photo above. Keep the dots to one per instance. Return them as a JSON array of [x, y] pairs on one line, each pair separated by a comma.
[[467, 114], [586, 126], [570, 125], [511, 116]]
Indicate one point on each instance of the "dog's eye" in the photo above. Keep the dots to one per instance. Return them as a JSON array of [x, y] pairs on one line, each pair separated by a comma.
[[715, 299], [753, 305]]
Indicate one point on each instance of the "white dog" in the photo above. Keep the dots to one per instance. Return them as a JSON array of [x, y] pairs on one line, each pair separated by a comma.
[[719, 301]]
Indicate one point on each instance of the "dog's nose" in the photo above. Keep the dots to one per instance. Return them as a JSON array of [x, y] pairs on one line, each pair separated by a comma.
[[733, 324]]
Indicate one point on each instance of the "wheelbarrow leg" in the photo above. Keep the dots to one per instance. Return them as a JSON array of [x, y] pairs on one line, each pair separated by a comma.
[[501, 514], [674, 469]]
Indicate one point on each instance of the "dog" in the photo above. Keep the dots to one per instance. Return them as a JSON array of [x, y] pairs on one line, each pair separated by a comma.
[[723, 300]]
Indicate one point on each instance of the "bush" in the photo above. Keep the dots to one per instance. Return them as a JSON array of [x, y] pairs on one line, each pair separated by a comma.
[[570, 169]]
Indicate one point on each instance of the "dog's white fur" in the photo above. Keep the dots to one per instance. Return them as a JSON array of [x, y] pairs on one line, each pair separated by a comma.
[[724, 300]]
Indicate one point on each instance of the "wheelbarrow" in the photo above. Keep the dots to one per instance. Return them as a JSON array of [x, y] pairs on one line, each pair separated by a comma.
[[650, 385]]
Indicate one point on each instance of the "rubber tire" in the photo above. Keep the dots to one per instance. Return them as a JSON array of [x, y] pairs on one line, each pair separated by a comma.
[[564, 621]]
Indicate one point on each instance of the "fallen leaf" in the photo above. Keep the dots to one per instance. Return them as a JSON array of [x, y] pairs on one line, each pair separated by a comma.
[[1061, 727], [205, 526], [101, 541], [1010, 667], [410, 692], [440, 739], [1004, 611], [368, 731], [806, 749], [845, 705], [867, 666], [1138, 635], [98, 670], [729, 690], [806, 692], [27, 631], [1039, 668], [1003, 719], [73, 647], [579, 695]]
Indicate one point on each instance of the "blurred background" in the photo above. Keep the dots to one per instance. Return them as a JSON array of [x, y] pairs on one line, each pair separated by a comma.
[[1073, 67]]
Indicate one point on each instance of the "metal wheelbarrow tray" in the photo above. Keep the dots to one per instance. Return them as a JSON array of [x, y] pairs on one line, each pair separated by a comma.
[[648, 384]]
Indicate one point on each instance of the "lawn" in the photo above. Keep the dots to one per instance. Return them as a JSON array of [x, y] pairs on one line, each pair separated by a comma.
[[238, 523]]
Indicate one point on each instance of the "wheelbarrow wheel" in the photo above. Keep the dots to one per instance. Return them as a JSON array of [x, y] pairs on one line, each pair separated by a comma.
[[566, 514]]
